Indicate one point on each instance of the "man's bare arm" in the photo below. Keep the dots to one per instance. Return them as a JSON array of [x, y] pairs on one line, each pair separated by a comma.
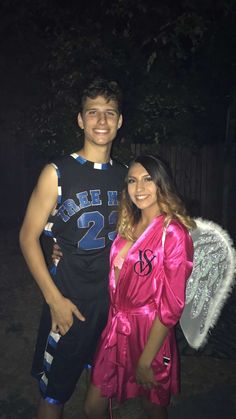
[[41, 204]]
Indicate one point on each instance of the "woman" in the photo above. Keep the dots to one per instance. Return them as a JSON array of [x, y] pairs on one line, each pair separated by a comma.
[[150, 262]]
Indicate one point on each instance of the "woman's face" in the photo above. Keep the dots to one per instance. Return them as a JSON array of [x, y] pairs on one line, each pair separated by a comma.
[[142, 189]]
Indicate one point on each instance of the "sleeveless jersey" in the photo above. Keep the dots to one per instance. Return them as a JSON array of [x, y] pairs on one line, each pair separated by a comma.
[[84, 224]]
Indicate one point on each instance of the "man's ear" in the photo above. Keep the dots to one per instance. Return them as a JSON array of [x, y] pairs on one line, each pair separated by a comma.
[[80, 121], [120, 121]]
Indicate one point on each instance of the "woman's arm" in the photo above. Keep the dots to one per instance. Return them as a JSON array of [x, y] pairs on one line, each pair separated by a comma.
[[144, 372], [177, 266]]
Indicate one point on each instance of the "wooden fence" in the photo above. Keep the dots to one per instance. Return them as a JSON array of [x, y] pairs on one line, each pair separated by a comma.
[[205, 179]]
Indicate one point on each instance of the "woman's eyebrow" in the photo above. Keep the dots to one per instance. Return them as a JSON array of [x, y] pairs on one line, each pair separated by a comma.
[[134, 177]]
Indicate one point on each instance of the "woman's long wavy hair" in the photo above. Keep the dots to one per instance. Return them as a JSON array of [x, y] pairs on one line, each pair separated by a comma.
[[168, 199]]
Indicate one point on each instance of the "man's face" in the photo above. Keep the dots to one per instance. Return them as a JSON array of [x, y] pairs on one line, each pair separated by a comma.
[[100, 120]]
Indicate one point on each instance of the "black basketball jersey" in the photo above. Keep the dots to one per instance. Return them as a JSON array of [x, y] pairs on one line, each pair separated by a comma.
[[84, 224]]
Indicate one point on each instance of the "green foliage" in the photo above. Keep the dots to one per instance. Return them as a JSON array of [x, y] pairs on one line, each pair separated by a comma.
[[174, 60]]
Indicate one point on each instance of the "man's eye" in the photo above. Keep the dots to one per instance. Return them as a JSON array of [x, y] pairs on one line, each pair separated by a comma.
[[111, 113], [91, 112]]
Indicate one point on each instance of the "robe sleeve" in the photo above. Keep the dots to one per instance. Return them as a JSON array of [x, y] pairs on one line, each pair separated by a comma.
[[177, 267]]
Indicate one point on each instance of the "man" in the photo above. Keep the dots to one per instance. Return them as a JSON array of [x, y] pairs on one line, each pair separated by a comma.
[[76, 199]]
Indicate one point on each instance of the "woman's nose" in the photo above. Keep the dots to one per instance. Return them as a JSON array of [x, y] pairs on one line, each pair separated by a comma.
[[140, 185]]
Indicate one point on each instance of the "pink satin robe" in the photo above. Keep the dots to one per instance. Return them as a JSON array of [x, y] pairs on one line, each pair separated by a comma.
[[151, 283]]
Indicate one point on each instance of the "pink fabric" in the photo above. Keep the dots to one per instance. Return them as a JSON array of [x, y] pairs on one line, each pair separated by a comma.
[[151, 283]]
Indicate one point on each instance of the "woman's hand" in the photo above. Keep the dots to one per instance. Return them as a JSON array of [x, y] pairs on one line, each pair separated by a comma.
[[56, 252], [144, 372], [145, 376]]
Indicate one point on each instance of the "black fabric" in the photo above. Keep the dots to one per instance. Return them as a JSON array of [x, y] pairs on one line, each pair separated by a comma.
[[85, 219], [74, 350], [84, 228]]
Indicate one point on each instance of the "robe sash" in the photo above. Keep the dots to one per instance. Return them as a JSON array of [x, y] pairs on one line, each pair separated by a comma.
[[120, 325]]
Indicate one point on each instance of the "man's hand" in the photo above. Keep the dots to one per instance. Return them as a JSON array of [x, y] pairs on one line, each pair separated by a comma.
[[56, 252], [62, 312], [145, 376]]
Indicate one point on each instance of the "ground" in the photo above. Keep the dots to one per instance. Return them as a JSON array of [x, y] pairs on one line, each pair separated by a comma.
[[208, 377]]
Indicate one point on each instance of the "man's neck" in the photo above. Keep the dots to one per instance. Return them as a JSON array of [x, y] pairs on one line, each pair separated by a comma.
[[95, 154]]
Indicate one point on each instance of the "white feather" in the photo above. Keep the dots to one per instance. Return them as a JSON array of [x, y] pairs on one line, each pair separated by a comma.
[[210, 283]]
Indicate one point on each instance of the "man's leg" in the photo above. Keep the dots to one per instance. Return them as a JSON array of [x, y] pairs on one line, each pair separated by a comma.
[[95, 405], [49, 411]]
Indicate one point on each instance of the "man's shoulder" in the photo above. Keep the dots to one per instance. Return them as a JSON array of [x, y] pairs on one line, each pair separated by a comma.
[[61, 160], [66, 165]]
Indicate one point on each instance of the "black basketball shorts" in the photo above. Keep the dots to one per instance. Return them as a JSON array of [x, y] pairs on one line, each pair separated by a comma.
[[59, 360]]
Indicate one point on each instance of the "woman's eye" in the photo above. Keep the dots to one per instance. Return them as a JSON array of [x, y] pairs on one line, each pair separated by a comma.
[[148, 179], [130, 181]]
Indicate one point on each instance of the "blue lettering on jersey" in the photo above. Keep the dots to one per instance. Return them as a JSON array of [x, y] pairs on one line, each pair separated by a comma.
[[67, 209], [95, 196], [83, 199], [94, 222], [113, 216], [70, 208], [112, 197]]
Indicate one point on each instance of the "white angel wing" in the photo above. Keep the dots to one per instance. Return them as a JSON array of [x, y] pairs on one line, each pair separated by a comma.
[[210, 283]]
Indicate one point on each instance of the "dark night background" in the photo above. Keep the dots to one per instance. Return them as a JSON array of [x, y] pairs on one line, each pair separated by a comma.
[[176, 63]]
